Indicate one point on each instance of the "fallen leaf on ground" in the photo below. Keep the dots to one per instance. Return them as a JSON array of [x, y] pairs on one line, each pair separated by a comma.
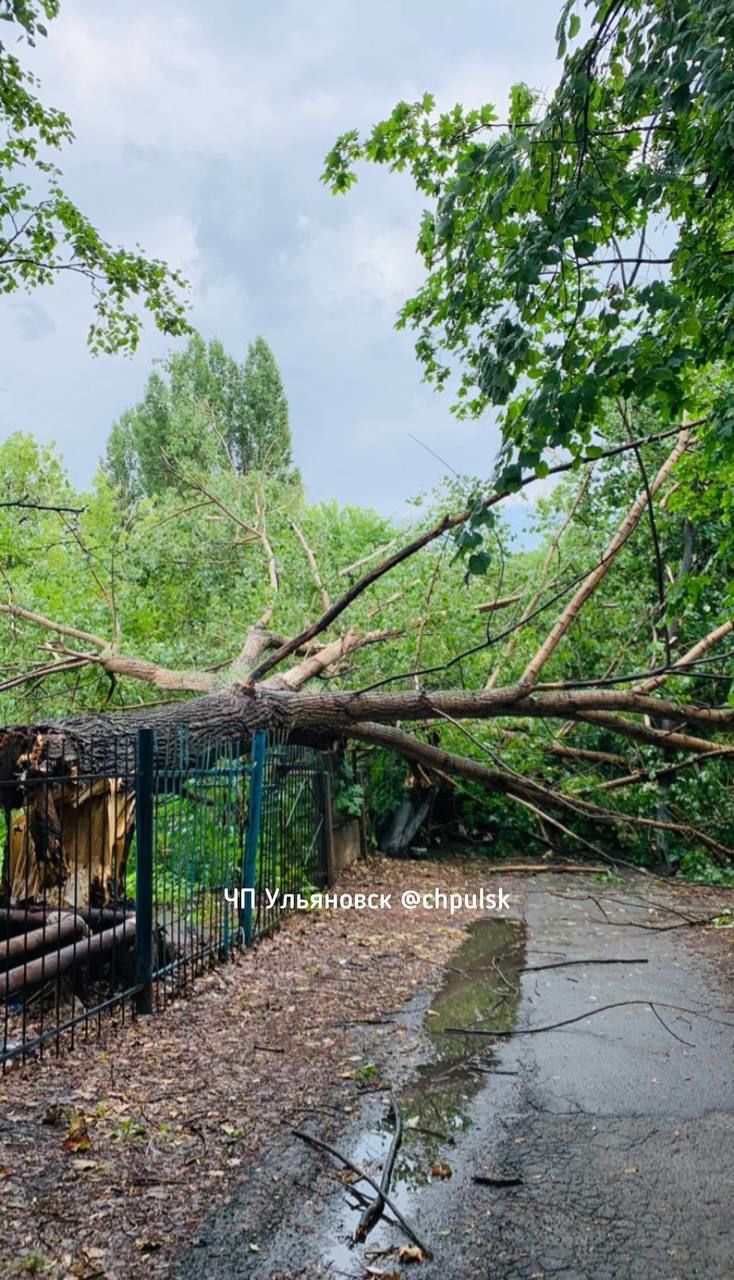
[[78, 1138], [410, 1253]]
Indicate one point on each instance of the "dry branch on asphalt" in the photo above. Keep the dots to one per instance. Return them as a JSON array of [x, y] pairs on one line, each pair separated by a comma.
[[320, 1145], [499, 1033], [375, 1209]]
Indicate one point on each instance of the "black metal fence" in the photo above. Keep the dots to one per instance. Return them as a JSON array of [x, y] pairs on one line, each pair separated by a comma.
[[294, 831], [119, 886]]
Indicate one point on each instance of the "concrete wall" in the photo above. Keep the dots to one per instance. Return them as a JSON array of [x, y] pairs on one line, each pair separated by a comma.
[[347, 845]]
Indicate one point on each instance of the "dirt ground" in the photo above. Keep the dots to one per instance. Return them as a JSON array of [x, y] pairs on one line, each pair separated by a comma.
[[113, 1154], [136, 1156]]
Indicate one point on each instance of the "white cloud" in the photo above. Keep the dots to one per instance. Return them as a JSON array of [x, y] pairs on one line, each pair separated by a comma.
[[158, 78], [361, 260], [200, 132], [172, 236]]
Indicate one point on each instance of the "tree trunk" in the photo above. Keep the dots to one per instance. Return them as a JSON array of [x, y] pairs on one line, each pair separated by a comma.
[[68, 845], [407, 821]]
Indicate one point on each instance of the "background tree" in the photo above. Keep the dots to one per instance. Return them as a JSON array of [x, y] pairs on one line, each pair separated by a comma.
[[263, 440], [209, 413], [42, 232]]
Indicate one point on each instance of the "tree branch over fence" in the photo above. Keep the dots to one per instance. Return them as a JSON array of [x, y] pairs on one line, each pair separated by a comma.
[[240, 696]]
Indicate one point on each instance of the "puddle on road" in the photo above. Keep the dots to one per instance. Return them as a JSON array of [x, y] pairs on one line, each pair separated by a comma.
[[482, 986]]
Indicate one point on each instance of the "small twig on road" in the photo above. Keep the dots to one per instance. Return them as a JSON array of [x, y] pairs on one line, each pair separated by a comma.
[[332, 1151], [670, 1030], [660, 928], [687, 920], [363, 1201], [560, 964], [483, 1180], [556, 868], [511, 988], [492, 1071], [362, 1022], [666, 928]]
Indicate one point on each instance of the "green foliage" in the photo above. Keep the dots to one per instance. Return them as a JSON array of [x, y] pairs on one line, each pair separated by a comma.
[[262, 439], [42, 232], [386, 779], [348, 793], [207, 413], [697, 866], [581, 250]]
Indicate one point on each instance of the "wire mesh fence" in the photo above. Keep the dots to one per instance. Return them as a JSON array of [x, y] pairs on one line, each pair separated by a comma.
[[118, 885], [294, 831]]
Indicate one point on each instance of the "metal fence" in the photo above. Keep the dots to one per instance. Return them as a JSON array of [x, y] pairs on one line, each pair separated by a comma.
[[294, 831], [118, 885]]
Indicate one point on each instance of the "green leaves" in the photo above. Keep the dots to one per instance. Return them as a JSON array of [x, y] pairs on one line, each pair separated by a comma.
[[469, 537], [43, 233], [338, 172], [568, 27], [584, 252], [210, 414], [477, 564]]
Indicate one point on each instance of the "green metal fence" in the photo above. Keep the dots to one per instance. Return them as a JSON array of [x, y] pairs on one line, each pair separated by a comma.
[[168, 902], [293, 850]]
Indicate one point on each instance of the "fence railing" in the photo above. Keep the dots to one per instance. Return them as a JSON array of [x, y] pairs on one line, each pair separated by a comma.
[[117, 887]]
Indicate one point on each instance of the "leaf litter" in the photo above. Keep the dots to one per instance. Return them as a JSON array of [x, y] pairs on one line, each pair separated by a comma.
[[115, 1152]]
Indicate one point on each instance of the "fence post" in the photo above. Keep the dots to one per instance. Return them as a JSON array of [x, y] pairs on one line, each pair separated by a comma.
[[144, 783], [327, 792], [252, 836]]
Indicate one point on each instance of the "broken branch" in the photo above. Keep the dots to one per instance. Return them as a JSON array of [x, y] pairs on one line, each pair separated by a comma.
[[374, 1211], [349, 1164]]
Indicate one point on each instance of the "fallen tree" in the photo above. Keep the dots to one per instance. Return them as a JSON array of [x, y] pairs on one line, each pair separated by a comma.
[[259, 692]]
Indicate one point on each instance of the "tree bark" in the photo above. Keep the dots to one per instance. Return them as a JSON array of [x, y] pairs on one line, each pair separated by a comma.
[[105, 743]]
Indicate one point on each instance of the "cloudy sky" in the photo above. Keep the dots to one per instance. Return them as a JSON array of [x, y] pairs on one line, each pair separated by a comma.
[[200, 134]]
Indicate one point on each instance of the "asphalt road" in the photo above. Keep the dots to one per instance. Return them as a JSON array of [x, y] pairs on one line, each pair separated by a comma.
[[620, 1126]]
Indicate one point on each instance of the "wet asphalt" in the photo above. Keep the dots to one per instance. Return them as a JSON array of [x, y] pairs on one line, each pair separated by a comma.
[[619, 1127]]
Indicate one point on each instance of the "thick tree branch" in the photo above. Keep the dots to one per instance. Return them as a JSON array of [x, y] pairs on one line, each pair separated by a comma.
[[492, 606], [325, 657], [515, 785], [687, 659], [358, 564], [312, 564], [528, 612], [590, 584], [409, 549], [61, 628]]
